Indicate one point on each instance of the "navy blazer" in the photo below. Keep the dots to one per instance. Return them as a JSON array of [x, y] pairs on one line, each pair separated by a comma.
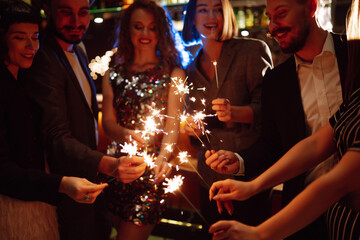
[[68, 125]]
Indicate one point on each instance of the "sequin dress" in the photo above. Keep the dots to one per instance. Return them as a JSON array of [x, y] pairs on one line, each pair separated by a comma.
[[141, 201]]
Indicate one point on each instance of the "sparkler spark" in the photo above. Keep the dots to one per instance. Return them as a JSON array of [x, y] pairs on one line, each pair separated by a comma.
[[129, 148], [181, 86], [173, 184], [216, 74], [183, 157], [169, 147]]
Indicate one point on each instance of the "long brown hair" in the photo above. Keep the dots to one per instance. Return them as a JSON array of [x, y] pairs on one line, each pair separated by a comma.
[[165, 48]]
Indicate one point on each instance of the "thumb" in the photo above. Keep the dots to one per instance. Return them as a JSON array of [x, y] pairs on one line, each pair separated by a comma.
[[218, 226], [96, 187], [223, 196]]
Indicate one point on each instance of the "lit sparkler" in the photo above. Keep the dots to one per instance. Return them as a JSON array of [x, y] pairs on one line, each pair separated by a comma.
[[216, 74], [173, 185]]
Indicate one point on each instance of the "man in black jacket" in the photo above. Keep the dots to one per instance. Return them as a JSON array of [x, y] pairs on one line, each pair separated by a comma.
[[60, 83], [299, 95]]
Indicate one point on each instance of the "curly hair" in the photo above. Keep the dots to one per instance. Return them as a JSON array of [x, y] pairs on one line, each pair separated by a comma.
[[11, 12], [165, 48]]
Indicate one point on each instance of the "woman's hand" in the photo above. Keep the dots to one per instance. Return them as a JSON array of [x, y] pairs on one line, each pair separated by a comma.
[[233, 230], [231, 189], [131, 135], [162, 168], [222, 107], [80, 189], [191, 128]]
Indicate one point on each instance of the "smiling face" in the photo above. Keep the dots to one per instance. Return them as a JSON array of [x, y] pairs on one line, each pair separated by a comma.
[[22, 40], [209, 19], [70, 18], [289, 23], [143, 29]]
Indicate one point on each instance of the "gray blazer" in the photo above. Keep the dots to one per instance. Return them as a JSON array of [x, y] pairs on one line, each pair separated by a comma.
[[241, 67]]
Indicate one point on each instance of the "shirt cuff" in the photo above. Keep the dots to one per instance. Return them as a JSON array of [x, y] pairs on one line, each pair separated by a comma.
[[241, 171]]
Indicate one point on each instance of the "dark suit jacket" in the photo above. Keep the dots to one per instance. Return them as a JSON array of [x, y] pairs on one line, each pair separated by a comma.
[[69, 134], [22, 166], [283, 115]]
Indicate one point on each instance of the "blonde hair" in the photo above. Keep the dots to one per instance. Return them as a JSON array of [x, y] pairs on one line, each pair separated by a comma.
[[353, 18], [230, 28]]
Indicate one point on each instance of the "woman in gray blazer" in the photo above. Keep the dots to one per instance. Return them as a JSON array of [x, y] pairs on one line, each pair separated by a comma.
[[230, 70]]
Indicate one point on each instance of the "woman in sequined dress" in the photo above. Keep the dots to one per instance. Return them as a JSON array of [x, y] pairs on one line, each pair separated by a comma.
[[140, 79]]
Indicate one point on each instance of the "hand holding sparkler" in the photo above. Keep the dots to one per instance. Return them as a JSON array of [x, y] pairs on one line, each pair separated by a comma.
[[126, 169], [230, 189], [223, 109], [191, 128], [134, 135], [222, 161], [162, 168]]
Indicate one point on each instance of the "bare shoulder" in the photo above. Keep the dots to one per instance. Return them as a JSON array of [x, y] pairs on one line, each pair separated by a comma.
[[178, 72]]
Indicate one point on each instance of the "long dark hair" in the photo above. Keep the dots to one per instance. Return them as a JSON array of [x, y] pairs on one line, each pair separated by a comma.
[[11, 12], [165, 48]]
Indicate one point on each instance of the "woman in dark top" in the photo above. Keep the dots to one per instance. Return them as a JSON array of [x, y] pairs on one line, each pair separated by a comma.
[[23, 176]]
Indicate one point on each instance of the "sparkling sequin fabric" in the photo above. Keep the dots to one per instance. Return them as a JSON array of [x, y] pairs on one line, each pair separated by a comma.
[[141, 201]]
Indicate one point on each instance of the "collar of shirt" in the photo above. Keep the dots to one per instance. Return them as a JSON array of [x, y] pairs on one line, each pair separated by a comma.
[[328, 50]]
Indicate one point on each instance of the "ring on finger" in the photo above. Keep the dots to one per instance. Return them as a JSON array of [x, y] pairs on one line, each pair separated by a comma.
[[86, 197]]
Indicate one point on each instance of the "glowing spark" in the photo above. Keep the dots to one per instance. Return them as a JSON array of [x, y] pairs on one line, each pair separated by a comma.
[[216, 74], [173, 184], [169, 147], [203, 101], [149, 160], [181, 86], [129, 148], [183, 157]]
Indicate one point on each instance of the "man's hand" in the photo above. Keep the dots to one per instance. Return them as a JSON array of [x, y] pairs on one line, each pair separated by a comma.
[[80, 189], [222, 161]]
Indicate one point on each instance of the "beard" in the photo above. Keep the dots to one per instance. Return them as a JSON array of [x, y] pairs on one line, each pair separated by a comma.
[[296, 43], [72, 39]]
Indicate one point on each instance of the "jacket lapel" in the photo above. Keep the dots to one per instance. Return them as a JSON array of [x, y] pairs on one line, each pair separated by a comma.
[[84, 65], [63, 59], [340, 45], [223, 66]]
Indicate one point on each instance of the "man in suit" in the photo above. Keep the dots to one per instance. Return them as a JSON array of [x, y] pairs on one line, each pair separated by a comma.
[[60, 84], [301, 94]]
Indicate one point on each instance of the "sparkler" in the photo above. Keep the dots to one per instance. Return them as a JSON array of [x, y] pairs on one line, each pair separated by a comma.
[[173, 185], [216, 74], [183, 157]]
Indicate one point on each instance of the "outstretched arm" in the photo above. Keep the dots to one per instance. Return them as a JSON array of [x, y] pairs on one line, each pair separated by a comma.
[[172, 126], [306, 207], [303, 156]]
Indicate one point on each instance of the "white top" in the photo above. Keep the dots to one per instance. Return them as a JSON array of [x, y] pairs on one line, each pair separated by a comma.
[[320, 86]]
